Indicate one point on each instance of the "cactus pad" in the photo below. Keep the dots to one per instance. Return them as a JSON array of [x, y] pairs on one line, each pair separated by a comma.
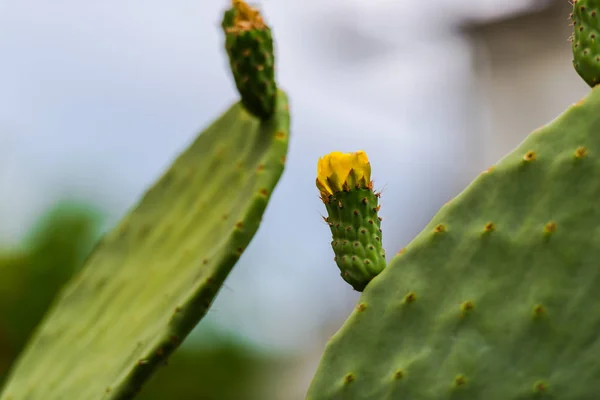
[[586, 40], [498, 297], [150, 280], [249, 44]]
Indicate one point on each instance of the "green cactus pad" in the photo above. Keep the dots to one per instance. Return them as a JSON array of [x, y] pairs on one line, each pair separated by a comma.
[[356, 232], [249, 45], [498, 298], [151, 279], [586, 40]]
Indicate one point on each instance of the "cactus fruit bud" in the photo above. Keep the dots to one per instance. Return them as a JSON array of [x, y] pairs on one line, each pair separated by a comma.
[[345, 186], [249, 45], [585, 40]]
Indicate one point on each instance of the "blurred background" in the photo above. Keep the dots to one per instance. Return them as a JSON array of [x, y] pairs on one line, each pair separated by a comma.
[[97, 98]]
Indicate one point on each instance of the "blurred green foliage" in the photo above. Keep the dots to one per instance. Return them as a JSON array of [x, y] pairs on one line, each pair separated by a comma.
[[31, 276], [54, 250], [226, 370]]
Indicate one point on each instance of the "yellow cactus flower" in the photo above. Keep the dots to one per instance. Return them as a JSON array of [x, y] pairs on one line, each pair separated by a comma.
[[338, 172]]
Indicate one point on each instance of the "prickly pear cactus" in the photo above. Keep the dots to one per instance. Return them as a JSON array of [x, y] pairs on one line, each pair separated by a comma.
[[586, 40], [249, 44], [496, 298], [345, 186], [151, 279]]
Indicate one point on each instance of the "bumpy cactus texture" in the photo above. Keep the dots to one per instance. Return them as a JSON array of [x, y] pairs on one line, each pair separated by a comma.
[[150, 280], [586, 40], [249, 44], [355, 228], [497, 297], [345, 187]]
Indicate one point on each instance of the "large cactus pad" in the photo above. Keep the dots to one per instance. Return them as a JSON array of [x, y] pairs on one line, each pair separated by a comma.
[[498, 297], [151, 279]]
